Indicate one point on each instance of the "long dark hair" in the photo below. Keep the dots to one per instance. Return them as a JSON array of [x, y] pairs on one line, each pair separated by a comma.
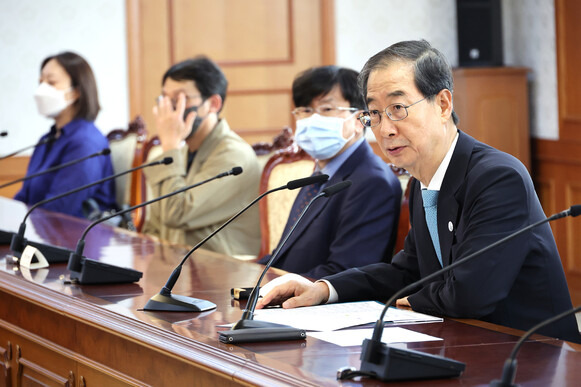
[[82, 79]]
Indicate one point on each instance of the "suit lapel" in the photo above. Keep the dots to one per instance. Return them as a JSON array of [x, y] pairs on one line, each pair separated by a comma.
[[448, 205], [342, 174]]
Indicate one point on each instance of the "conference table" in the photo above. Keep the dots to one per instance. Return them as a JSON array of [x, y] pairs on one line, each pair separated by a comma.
[[54, 332]]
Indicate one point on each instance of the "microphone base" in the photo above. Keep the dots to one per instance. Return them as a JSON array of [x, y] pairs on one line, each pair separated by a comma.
[[389, 363], [6, 237], [177, 303], [251, 331], [501, 383], [53, 254], [94, 273]]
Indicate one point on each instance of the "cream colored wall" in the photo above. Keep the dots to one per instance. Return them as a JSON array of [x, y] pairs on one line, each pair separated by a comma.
[[365, 27], [31, 30]]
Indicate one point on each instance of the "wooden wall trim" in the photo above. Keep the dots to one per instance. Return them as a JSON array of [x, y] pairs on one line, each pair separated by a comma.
[[134, 56], [258, 91], [565, 152], [171, 31], [12, 168], [328, 32], [258, 62]]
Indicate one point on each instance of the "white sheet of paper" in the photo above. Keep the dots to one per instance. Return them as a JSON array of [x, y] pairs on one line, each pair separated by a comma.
[[354, 337], [331, 317]]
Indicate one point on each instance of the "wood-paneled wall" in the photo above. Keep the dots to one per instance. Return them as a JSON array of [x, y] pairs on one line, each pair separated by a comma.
[[557, 164], [11, 169], [260, 53]]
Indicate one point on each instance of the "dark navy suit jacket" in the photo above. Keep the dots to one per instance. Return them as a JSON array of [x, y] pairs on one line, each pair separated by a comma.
[[485, 195], [353, 228]]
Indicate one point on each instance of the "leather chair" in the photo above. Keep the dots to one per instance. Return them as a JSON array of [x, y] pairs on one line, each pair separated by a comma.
[[264, 150], [127, 147], [284, 165], [151, 150]]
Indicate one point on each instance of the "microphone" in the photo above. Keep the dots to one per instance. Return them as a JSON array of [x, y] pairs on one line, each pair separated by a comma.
[[45, 140], [88, 271], [509, 368], [386, 363], [249, 330], [103, 152], [5, 236], [56, 254], [167, 302]]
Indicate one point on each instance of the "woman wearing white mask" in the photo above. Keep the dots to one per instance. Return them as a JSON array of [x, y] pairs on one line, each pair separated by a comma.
[[67, 93]]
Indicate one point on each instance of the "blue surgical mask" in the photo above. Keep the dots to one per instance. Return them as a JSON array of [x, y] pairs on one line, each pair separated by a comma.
[[321, 137]]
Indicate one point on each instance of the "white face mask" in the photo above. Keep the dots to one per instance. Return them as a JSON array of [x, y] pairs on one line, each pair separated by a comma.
[[321, 137], [50, 101]]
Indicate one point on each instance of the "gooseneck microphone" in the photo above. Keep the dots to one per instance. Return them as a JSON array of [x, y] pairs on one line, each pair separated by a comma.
[[509, 368], [386, 363], [103, 152], [5, 236], [167, 302], [45, 140], [88, 271], [249, 330], [55, 254]]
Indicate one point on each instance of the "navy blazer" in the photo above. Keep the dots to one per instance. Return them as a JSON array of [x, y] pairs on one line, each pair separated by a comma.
[[485, 195], [353, 228]]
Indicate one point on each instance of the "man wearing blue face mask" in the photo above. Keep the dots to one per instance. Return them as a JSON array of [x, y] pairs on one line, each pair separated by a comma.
[[355, 227]]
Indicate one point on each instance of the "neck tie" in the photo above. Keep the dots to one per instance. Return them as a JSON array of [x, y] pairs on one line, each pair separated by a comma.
[[306, 194], [430, 199]]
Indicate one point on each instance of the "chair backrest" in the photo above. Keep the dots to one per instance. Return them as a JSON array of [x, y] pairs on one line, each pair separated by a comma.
[[264, 150], [151, 150], [127, 148], [403, 225], [284, 165]]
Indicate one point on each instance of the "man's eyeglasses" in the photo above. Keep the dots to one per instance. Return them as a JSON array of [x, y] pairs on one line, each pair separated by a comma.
[[395, 112], [174, 102], [324, 110]]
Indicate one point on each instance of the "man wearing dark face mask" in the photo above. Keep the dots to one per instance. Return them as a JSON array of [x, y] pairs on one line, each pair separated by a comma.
[[202, 146], [358, 226]]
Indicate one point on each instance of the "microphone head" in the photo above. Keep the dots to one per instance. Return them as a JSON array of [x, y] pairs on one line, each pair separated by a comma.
[[299, 183], [106, 152], [336, 188], [236, 171], [575, 210], [167, 160]]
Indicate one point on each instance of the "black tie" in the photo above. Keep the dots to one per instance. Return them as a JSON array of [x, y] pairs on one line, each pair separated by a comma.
[[306, 194]]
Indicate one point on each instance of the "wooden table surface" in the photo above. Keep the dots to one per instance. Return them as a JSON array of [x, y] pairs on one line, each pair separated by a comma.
[[104, 324]]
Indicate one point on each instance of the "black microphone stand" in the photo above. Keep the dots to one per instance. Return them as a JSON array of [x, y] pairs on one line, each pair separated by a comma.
[[509, 368], [48, 139], [167, 302], [88, 271], [249, 330], [56, 254], [103, 152], [6, 236]]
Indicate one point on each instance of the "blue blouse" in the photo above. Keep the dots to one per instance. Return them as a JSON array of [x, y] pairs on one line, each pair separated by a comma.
[[79, 138]]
